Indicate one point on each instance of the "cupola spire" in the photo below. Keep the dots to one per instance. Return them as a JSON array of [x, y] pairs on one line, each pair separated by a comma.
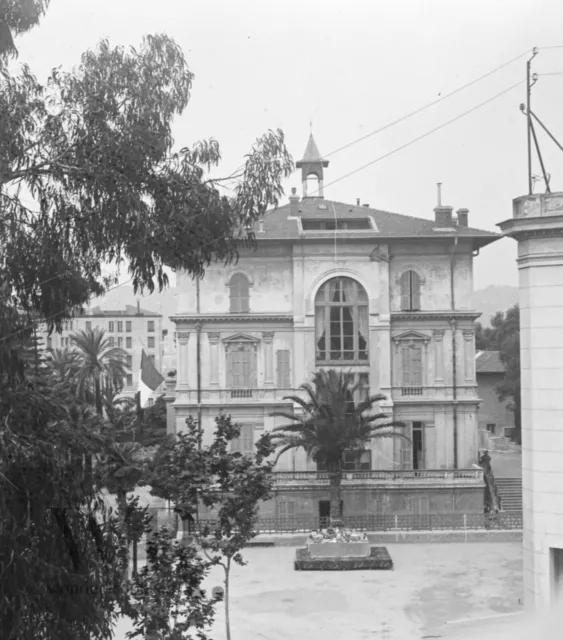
[[312, 165]]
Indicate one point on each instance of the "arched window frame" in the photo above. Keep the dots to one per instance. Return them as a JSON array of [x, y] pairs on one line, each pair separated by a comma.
[[239, 293], [410, 287], [336, 342]]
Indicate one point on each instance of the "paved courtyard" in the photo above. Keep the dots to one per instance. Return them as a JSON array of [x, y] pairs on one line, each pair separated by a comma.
[[431, 584]]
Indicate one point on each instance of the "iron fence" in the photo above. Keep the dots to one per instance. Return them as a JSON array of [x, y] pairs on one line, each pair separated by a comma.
[[379, 523]]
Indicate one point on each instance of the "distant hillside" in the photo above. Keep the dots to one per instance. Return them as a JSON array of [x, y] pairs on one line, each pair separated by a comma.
[[492, 299]]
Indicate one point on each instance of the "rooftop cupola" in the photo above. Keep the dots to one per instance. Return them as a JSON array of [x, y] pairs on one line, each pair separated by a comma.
[[312, 165]]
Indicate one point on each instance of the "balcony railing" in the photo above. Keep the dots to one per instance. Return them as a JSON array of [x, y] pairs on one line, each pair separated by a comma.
[[383, 475], [411, 391], [241, 393]]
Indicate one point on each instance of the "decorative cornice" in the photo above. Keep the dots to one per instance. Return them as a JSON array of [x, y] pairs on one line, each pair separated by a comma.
[[232, 317], [434, 315]]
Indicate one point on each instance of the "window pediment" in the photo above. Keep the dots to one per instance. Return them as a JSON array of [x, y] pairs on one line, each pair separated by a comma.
[[411, 336], [240, 341]]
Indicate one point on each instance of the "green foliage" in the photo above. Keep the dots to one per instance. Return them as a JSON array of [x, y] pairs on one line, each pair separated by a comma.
[[17, 17], [166, 597], [331, 423], [228, 483], [58, 542], [504, 336]]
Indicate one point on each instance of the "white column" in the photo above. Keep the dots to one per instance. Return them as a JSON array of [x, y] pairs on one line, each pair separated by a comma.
[[438, 356], [213, 338], [182, 338], [268, 337]]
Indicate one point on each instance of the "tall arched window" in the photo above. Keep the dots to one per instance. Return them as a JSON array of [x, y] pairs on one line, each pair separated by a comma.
[[341, 321], [410, 291], [239, 293]]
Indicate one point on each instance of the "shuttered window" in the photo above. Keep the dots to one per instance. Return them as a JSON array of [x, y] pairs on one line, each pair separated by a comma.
[[411, 360], [286, 509], [410, 291], [283, 369], [245, 442], [241, 368], [239, 293]]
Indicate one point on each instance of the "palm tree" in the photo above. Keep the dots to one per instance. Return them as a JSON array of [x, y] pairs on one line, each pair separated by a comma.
[[99, 364], [119, 468], [63, 364], [331, 425]]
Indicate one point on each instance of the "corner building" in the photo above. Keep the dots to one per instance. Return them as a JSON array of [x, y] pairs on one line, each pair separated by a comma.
[[384, 296]]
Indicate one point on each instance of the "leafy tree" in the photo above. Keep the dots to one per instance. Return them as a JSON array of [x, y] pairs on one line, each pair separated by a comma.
[[229, 484], [331, 424], [504, 336], [99, 364], [58, 544], [486, 338], [17, 17], [166, 596], [92, 148], [508, 338]]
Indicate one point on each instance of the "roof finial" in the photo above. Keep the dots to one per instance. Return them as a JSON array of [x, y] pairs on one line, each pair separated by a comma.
[[311, 127]]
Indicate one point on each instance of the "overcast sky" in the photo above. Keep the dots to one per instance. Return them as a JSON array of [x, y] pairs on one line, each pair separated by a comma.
[[352, 67]]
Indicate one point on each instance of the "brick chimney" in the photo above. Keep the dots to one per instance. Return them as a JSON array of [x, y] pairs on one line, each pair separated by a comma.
[[443, 216], [293, 201], [462, 217]]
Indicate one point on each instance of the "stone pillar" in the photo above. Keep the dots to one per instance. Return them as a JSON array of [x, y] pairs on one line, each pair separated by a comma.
[[438, 356], [183, 338], [537, 226], [469, 355], [268, 337], [213, 338]]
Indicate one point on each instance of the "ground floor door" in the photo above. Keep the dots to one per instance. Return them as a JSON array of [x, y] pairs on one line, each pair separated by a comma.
[[324, 509], [411, 451]]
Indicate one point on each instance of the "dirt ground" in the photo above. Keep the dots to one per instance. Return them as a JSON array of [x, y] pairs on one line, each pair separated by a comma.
[[430, 585]]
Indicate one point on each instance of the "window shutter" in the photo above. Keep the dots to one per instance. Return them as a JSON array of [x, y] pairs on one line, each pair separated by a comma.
[[415, 291], [230, 368], [406, 366], [283, 369], [404, 287], [416, 367], [247, 437]]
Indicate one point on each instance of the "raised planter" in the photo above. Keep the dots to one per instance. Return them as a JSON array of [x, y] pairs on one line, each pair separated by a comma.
[[378, 559]]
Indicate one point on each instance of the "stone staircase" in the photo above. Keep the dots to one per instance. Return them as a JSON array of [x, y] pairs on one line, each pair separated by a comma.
[[510, 491]]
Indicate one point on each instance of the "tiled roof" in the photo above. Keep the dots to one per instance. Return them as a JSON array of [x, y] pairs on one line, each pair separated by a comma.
[[489, 362], [130, 310], [281, 224]]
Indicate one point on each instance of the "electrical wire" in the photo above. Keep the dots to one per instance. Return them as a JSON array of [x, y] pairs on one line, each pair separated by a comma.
[[430, 104], [425, 135]]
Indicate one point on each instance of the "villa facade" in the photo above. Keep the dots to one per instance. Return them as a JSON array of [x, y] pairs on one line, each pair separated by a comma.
[[383, 296]]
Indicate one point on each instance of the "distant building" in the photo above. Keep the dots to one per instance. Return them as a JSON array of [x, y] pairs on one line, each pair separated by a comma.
[[133, 329], [494, 416]]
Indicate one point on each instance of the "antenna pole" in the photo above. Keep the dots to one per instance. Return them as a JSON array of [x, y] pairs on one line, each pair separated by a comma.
[[529, 117]]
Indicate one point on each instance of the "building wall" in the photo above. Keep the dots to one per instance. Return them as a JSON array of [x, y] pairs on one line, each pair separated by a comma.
[[492, 410], [139, 335], [284, 280], [541, 343]]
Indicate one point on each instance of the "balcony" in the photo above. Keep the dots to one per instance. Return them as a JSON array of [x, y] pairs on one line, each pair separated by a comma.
[[241, 393], [218, 396], [384, 477], [440, 392]]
